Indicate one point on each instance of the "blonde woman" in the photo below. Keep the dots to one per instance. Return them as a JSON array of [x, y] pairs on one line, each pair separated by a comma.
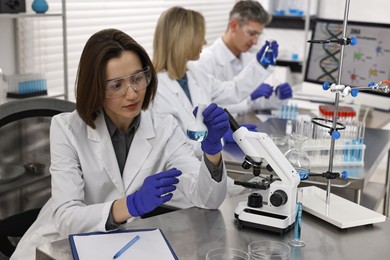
[[178, 40]]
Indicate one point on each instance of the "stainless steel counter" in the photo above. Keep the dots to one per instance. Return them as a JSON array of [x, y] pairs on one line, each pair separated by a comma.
[[192, 232]]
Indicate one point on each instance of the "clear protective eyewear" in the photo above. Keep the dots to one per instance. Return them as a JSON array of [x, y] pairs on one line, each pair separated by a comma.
[[138, 80], [250, 32]]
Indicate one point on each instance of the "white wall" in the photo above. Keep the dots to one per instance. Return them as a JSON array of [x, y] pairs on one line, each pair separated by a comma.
[[360, 10], [7, 50]]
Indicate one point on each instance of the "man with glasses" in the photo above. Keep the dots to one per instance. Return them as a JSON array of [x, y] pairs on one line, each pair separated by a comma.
[[229, 54]]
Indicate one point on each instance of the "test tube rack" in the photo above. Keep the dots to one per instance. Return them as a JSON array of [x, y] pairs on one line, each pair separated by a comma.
[[26, 85]]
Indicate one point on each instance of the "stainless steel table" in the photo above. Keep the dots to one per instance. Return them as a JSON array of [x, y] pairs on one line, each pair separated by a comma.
[[377, 146], [192, 232]]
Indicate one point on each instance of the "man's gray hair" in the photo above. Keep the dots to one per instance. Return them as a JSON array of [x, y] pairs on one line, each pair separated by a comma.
[[248, 10]]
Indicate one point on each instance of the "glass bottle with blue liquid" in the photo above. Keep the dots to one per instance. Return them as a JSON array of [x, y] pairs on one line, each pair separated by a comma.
[[268, 57], [197, 130]]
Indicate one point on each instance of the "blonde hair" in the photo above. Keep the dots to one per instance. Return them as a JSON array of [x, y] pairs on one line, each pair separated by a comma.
[[179, 34]]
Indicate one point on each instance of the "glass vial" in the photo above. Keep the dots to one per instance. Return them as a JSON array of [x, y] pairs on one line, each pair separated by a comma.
[[197, 130]]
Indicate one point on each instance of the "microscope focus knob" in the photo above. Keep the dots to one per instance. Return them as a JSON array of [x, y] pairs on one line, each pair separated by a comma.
[[278, 198], [255, 200]]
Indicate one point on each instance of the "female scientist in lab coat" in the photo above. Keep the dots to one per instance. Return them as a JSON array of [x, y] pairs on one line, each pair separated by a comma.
[[112, 159], [178, 40]]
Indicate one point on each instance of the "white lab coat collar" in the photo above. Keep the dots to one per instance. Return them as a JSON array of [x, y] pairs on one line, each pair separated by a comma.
[[139, 149], [223, 53], [174, 87], [135, 158]]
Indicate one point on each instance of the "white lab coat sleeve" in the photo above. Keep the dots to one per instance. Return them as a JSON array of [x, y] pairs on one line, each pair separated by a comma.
[[195, 183], [235, 91], [241, 107], [207, 62], [273, 102], [68, 185]]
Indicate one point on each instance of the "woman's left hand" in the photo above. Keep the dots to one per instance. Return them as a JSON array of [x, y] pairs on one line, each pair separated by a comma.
[[217, 122]]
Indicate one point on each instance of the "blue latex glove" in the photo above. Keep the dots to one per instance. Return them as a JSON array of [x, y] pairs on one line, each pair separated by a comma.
[[217, 122], [283, 91], [275, 49], [264, 90], [154, 191]]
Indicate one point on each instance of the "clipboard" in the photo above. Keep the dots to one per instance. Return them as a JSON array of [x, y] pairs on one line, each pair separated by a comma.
[[103, 245]]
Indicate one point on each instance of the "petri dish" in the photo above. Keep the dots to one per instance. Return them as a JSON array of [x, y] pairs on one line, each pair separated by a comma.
[[226, 254], [270, 250]]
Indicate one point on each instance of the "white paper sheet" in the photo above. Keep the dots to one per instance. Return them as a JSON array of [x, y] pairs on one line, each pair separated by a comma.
[[151, 245]]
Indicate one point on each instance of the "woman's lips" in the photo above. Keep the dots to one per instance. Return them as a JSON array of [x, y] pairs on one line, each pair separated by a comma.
[[132, 106]]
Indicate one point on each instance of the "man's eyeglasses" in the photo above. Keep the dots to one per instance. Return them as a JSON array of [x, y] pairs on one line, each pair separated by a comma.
[[251, 33], [138, 80]]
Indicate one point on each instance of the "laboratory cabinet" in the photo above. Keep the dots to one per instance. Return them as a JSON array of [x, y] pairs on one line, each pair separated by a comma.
[[62, 31]]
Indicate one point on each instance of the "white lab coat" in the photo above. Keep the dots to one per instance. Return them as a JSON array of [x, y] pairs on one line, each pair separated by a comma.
[[86, 177], [219, 61], [205, 89]]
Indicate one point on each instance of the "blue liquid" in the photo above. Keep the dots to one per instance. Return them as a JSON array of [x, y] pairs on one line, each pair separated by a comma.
[[298, 222], [303, 173], [197, 135], [268, 58]]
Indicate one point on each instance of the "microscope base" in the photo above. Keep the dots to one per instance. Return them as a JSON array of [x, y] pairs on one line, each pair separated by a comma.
[[339, 212], [263, 227], [262, 219]]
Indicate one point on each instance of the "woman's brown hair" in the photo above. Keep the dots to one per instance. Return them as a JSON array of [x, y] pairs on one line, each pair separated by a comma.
[[91, 76]]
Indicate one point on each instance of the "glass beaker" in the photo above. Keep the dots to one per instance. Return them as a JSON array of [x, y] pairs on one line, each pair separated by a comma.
[[298, 157]]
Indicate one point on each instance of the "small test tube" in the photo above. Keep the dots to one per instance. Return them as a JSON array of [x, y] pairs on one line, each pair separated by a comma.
[[297, 241]]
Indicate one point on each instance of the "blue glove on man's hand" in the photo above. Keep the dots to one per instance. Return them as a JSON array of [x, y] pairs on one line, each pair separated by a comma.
[[217, 122], [283, 91], [154, 191], [275, 49], [264, 90]]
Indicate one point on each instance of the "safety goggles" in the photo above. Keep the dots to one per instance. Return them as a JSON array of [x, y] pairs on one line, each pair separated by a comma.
[[138, 80], [250, 32]]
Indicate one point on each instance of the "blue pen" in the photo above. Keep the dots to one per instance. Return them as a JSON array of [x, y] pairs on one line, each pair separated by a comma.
[[127, 246]]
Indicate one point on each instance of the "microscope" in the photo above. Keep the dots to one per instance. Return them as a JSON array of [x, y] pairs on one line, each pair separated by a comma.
[[273, 206]]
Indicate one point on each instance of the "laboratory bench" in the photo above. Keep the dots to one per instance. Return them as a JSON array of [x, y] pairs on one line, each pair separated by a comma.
[[193, 232]]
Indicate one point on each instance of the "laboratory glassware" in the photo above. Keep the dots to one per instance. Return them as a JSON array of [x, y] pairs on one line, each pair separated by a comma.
[[297, 241], [298, 158], [268, 250], [226, 253], [268, 57], [197, 130]]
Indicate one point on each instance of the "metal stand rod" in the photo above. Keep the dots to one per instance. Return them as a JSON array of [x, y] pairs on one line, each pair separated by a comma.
[[337, 98]]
